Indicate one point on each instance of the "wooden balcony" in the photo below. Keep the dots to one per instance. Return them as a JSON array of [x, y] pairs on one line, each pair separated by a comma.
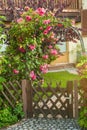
[[71, 11]]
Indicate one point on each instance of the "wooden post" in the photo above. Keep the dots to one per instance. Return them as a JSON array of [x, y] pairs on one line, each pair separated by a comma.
[[83, 22], [70, 98], [83, 87], [76, 98], [27, 98]]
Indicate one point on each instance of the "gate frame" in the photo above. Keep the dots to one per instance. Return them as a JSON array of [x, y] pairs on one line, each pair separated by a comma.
[[28, 99]]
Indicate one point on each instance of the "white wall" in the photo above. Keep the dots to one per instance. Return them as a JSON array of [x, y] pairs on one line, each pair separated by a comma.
[[85, 43], [74, 48], [84, 4]]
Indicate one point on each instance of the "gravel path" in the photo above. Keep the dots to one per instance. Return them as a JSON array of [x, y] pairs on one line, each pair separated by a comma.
[[46, 124]]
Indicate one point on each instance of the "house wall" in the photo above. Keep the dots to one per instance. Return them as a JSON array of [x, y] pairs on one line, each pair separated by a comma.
[[84, 4], [73, 51], [75, 48]]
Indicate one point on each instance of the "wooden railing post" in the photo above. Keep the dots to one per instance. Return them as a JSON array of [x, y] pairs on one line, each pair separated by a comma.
[[27, 98], [83, 23], [70, 98], [83, 87], [75, 99]]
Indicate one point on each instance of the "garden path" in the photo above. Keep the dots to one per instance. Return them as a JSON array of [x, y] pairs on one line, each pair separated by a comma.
[[46, 124]]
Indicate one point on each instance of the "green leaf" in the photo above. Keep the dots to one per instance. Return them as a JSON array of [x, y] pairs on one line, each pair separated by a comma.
[[2, 79], [1, 87]]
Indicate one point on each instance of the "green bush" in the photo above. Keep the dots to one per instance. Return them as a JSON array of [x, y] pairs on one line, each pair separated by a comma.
[[83, 117], [9, 116], [6, 117], [18, 111], [82, 66]]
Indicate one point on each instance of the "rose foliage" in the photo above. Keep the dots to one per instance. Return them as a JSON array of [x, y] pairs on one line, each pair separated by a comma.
[[32, 44], [82, 66]]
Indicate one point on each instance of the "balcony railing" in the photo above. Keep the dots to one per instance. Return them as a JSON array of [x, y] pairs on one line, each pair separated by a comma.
[[7, 6], [75, 4]]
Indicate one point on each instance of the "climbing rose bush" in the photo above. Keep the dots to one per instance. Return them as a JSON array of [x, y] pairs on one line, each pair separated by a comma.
[[82, 66], [32, 45]]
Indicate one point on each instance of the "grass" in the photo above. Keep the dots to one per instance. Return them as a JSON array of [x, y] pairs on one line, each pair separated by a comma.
[[56, 77], [63, 77]]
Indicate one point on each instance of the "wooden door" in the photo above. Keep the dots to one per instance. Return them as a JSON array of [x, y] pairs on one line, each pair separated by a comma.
[[64, 58], [53, 102]]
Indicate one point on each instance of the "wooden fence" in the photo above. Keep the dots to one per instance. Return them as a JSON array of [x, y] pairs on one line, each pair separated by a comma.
[[46, 101], [11, 94]]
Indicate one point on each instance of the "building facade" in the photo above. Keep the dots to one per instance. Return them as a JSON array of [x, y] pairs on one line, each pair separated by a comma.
[[74, 50]]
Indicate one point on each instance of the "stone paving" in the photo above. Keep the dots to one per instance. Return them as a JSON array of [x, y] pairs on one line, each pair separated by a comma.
[[46, 124]]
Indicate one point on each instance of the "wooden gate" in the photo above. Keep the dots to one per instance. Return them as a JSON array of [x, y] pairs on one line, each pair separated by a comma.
[[47, 101]]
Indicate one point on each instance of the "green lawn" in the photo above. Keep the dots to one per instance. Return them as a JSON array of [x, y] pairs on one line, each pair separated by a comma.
[[56, 77], [63, 77]]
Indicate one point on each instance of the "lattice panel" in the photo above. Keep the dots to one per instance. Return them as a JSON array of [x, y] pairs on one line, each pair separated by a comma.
[[11, 94], [50, 102]]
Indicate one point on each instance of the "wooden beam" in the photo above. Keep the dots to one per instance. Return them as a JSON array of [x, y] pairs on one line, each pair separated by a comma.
[[27, 98], [84, 22]]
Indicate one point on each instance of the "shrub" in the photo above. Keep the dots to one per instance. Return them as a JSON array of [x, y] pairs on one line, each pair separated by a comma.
[[83, 117], [9, 116], [32, 44], [82, 70]]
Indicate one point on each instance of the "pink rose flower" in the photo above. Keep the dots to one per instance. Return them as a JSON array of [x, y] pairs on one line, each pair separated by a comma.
[[45, 56], [15, 71], [49, 28], [46, 21], [52, 36], [50, 47], [20, 20], [44, 68], [32, 47], [21, 49], [53, 52], [45, 32], [60, 25], [26, 8], [32, 75], [41, 11], [28, 18], [41, 28]]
